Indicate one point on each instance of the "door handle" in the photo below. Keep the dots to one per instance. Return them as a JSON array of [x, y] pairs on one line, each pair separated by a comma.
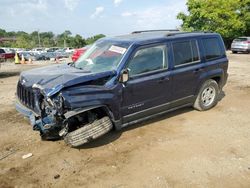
[[198, 70], [163, 79]]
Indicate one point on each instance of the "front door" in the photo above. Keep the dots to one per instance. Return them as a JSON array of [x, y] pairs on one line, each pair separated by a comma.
[[148, 88]]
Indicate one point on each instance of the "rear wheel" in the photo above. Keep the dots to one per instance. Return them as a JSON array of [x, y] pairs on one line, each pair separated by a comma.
[[89, 132], [234, 52], [208, 96]]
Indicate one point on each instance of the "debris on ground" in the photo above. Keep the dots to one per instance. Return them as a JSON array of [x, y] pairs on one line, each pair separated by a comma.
[[56, 176], [27, 156]]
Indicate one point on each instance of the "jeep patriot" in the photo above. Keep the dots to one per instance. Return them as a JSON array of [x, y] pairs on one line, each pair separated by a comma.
[[123, 80]]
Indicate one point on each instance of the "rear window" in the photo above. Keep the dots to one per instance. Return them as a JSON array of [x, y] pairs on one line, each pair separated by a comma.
[[212, 48], [240, 39], [185, 52]]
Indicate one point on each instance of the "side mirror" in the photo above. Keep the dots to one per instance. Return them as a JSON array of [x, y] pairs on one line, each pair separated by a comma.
[[124, 76]]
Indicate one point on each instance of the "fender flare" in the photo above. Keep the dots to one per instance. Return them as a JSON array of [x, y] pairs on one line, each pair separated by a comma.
[[218, 73], [76, 111]]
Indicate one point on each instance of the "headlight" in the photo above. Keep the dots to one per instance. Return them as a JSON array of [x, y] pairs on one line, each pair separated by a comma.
[[50, 102], [58, 103]]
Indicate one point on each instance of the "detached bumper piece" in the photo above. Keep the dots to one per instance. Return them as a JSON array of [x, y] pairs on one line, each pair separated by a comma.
[[89, 132]]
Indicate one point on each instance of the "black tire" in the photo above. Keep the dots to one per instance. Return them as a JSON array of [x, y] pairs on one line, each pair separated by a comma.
[[203, 101], [234, 52], [89, 132]]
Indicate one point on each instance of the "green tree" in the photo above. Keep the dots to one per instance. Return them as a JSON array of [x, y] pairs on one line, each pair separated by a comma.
[[78, 41], [47, 39], [230, 18], [22, 42], [91, 40], [2, 33]]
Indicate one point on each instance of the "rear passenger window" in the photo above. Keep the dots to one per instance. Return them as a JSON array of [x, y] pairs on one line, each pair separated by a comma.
[[185, 52], [212, 48], [147, 60]]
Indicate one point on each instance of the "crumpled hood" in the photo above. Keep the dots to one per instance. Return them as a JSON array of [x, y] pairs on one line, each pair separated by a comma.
[[53, 78]]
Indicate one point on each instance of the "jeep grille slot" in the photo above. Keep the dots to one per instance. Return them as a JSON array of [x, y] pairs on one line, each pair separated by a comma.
[[25, 96]]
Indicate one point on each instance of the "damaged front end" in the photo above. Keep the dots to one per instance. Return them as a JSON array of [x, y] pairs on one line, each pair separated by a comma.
[[44, 112], [51, 115]]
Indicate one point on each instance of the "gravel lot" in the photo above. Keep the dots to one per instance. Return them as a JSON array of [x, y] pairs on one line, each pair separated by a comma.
[[185, 148]]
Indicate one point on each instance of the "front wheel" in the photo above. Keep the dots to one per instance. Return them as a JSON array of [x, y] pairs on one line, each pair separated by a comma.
[[89, 132], [208, 96]]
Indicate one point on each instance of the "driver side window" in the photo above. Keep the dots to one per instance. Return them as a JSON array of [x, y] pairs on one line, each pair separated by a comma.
[[147, 60]]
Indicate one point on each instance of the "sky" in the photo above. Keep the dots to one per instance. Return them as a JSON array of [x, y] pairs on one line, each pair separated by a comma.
[[90, 17]]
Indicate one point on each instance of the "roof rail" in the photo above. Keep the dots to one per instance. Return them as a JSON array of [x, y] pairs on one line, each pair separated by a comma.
[[147, 31], [176, 33], [183, 32]]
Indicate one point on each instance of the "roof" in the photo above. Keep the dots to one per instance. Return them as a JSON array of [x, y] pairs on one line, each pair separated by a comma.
[[155, 35]]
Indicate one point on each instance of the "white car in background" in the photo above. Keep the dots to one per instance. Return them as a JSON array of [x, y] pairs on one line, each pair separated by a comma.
[[241, 44], [37, 50], [69, 50]]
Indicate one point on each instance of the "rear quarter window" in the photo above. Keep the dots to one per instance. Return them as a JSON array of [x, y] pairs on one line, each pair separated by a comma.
[[212, 48]]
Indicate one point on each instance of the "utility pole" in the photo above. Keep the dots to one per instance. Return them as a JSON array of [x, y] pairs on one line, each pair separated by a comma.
[[39, 41], [64, 43]]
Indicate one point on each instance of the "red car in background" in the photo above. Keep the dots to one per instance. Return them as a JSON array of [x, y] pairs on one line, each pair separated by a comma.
[[6, 54], [78, 52]]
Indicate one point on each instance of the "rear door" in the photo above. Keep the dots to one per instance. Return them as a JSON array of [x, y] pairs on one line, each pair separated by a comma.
[[149, 86], [186, 70]]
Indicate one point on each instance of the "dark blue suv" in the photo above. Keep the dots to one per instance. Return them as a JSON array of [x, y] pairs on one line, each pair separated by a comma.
[[123, 80]]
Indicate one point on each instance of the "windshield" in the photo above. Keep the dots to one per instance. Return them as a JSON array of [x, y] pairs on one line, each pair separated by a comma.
[[102, 56]]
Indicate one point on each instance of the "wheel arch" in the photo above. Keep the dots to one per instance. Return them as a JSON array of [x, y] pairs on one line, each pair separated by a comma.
[[77, 111], [217, 76]]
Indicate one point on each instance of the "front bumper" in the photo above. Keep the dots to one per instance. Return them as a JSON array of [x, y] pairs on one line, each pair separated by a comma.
[[46, 126], [26, 112]]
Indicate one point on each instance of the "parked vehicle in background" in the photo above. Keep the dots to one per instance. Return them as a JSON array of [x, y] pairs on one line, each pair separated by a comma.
[[52, 56], [69, 50], [78, 52], [37, 50], [53, 49], [6, 53], [121, 81], [42, 57], [27, 55], [241, 44]]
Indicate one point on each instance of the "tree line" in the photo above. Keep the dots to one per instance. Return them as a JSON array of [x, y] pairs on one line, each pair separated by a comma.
[[230, 18], [45, 39]]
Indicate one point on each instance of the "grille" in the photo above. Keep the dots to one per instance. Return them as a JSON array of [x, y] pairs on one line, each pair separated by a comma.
[[26, 96]]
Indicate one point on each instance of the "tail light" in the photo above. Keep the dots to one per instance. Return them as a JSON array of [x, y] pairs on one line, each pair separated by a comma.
[[247, 42]]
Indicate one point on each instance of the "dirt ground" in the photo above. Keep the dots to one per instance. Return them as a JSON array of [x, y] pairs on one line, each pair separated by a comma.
[[185, 148]]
